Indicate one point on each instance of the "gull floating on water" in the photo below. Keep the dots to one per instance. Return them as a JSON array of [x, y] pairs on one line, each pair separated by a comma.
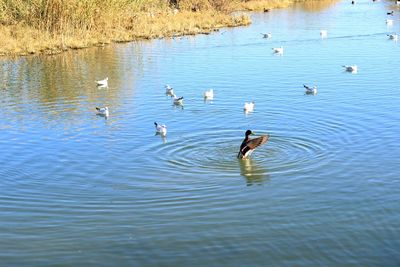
[[393, 36], [248, 106], [169, 90], [102, 111], [278, 50], [311, 90], [161, 129], [351, 68], [102, 83], [209, 94], [267, 35], [323, 33], [389, 22], [249, 145], [177, 100]]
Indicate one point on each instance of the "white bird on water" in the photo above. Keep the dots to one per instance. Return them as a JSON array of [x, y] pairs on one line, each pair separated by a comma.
[[169, 90], [323, 33], [177, 100], [248, 106], [267, 35], [389, 22], [393, 36], [161, 129], [209, 94], [350, 68], [102, 83], [102, 111], [278, 50], [311, 90]]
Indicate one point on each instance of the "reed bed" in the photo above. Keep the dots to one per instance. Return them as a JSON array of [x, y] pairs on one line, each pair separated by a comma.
[[53, 26]]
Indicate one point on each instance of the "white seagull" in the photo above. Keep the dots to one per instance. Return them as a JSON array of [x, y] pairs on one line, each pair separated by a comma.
[[102, 111], [352, 68], [393, 36], [161, 129], [389, 22], [278, 50], [248, 106], [311, 90], [177, 100], [267, 35], [209, 94], [102, 83], [169, 90], [323, 33]]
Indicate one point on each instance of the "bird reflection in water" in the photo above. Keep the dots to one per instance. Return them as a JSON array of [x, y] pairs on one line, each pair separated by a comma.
[[252, 172]]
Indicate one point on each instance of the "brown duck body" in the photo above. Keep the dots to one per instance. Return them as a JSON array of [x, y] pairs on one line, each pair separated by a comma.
[[249, 145]]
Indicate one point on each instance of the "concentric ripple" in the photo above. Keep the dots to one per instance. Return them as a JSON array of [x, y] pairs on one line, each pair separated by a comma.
[[215, 152]]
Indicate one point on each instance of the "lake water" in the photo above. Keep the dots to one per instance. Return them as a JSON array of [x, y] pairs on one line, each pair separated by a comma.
[[79, 190]]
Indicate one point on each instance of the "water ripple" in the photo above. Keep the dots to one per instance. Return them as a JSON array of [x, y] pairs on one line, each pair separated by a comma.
[[215, 152]]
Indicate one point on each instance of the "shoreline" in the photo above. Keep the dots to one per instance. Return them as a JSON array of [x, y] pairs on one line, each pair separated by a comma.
[[20, 39]]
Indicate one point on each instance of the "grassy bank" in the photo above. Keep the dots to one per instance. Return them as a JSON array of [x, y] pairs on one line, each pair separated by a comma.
[[53, 26]]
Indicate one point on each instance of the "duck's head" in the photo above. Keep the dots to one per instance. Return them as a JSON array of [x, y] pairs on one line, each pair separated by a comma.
[[248, 132]]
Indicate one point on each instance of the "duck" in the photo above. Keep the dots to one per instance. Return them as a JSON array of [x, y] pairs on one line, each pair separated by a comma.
[[249, 145], [266, 10], [102, 83], [267, 35], [102, 111], [393, 36], [209, 94], [390, 13], [177, 100], [248, 106], [389, 22], [323, 33], [169, 90], [278, 50], [353, 2], [311, 90], [161, 129], [352, 68]]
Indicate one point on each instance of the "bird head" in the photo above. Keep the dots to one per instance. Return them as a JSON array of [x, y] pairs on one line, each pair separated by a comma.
[[249, 132]]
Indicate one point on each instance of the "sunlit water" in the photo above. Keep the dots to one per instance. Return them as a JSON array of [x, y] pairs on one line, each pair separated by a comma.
[[79, 190]]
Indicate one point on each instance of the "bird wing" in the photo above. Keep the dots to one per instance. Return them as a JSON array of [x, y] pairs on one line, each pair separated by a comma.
[[256, 142]]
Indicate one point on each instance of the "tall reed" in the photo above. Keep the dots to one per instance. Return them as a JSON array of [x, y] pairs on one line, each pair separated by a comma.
[[51, 26]]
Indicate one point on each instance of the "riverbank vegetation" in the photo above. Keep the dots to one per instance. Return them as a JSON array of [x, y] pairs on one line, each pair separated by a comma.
[[53, 26]]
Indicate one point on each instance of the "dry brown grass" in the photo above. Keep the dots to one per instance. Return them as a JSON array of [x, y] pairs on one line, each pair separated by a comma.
[[53, 26], [260, 5], [21, 39]]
